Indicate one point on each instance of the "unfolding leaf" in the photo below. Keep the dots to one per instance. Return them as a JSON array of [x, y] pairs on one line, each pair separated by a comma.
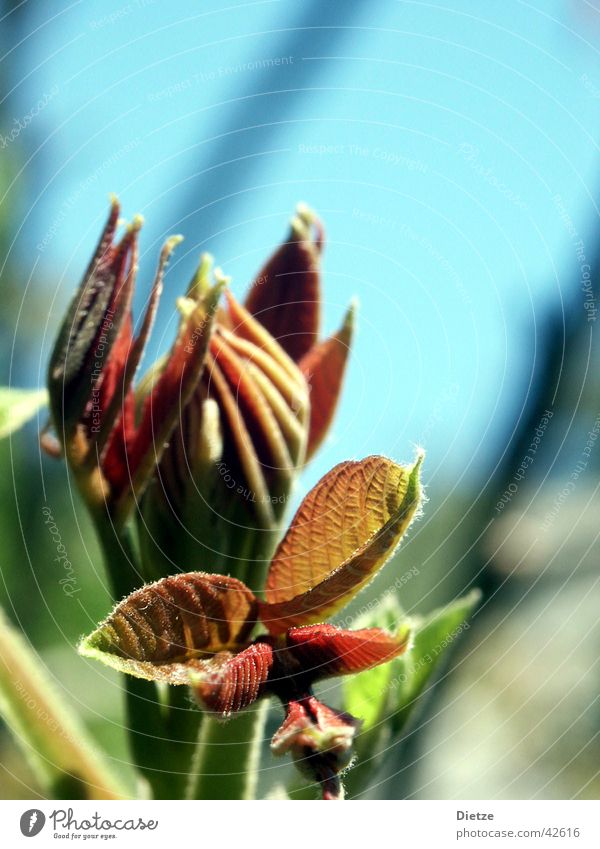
[[166, 629], [79, 326], [247, 329], [324, 367], [320, 741], [265, 438], [120, 367], [236, 683], [325, 650], [261, 400], [344, 531], [311, 725], [17, 406]]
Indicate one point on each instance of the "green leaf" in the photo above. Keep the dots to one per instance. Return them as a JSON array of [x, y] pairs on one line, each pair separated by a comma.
[[366, 694], [17, 406], [386, 697], [59, 751], [433, 639]]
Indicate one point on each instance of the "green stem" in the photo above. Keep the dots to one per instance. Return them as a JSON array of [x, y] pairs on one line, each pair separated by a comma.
[[120, 558], [228, 756], [182, 726], [145, 731], [254, 559], [161, 736]]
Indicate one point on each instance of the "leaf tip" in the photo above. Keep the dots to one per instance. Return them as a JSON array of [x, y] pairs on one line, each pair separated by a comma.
[[171, 244], [473, 598], [305, 213], [419, 457], [415, 484], [349, 321], [137, 223], [405, 635], [304, 223], [97, 645], [213, 293], [221, 278], [200, 282]]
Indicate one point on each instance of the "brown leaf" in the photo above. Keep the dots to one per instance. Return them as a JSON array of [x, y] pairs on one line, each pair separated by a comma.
[[125, 358], [178, 624], [92, 323], [344, 531]]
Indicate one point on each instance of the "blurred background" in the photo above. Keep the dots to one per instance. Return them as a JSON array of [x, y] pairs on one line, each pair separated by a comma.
[[452, 150]]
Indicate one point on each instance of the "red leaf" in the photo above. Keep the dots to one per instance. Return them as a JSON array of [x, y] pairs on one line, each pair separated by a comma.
[[286, 296], [237, 683], [162, 408], [325, 650], [324, 367], [320, 741]]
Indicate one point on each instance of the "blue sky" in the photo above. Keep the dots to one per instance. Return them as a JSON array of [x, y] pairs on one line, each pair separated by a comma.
[[435, 139]]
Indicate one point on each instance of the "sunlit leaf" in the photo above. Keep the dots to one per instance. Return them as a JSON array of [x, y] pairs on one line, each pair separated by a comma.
[[17, 406], [166, 629], [344, 531]]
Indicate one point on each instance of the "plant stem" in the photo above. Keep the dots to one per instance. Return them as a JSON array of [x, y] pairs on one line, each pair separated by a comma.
[[228, 756], [182, 727], [120, 558], [160, 736]]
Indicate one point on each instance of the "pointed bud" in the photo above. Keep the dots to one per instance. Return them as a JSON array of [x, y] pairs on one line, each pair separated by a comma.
[[112, 447], [91, 326], [226, 476], [286, 295], [210, 443], [324, 367]]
